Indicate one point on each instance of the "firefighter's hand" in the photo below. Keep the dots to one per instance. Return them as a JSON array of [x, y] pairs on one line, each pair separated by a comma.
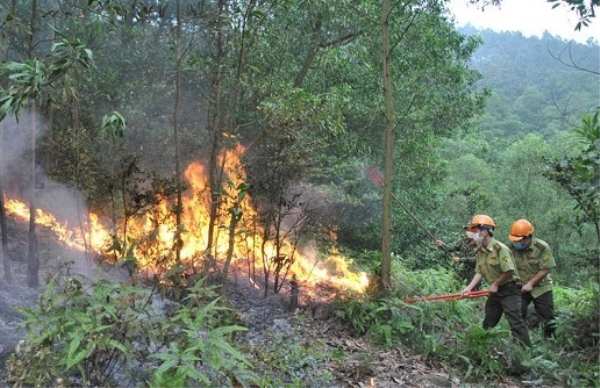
[[439, 244], [455, 260], [466, 292]]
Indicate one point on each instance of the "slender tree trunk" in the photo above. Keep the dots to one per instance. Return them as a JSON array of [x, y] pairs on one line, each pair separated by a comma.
[[386, 227], [178, 209], [231, 247], [215, 176], [266, 266], [228, 122], [82, 218], [3, 224], [3, 221], [32, 256], [125, 213]]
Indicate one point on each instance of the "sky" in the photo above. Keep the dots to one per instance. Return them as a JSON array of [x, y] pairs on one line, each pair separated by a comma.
[[530, 17]]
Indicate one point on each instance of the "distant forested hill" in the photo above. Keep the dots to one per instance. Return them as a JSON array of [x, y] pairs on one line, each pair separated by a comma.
[[537, 84]]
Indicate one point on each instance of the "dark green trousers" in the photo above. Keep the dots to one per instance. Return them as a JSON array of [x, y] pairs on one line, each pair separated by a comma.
[[507, 301], [544, 308]]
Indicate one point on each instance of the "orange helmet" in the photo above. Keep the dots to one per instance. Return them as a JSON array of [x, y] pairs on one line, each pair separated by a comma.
[[520, 228], [481, 220]]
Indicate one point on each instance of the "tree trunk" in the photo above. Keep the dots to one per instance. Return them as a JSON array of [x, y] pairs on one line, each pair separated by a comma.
[[178, 208], [3, 223], [386, 227], [3, 226], [222, 123], [82, 219], [215, 176], [230, 249], [32, 256]]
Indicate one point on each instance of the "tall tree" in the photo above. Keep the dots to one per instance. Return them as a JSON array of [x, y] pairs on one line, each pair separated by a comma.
[[28, 82], [3, 221], [386, 228], [176, 102], [32, 256], [6, 17]]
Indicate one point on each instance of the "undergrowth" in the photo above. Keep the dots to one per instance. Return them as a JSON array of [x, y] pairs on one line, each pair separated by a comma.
[[113, 334], [284, 362], [450, 332]]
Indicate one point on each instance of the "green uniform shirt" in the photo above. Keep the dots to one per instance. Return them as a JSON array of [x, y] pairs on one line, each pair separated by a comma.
[[531, 261], [493, 260]]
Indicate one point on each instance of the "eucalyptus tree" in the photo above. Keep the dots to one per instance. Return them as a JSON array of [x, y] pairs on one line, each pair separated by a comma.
[[31, 82], [433, 95], [28, 79], [176, 114], [386, 226], [6, 17]]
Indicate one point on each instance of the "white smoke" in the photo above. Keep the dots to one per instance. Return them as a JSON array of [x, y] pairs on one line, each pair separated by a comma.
[[66, 204]]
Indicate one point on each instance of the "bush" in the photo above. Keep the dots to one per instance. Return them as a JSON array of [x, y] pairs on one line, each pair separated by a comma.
[[113, 334]]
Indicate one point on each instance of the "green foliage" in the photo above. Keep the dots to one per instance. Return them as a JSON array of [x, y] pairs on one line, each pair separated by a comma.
[[482, 351], [101, 335], [114, 125], [285, 362], [580, 174], [547, 365], [451, 331], [587, 165], [28, 79]]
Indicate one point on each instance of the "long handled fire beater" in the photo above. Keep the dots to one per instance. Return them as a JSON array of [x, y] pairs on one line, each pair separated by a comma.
[[472, 294]]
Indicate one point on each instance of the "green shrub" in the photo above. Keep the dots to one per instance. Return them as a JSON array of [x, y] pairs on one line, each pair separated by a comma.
[[110, 334]]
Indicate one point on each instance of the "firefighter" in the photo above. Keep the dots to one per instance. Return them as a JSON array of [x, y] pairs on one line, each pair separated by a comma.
[[534, 261], [464, 259], [495, 264]]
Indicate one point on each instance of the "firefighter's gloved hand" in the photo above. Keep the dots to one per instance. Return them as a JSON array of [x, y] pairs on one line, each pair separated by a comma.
[[455, 260]]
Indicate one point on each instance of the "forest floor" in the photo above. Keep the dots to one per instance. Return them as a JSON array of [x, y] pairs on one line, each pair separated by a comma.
[[268, 321]]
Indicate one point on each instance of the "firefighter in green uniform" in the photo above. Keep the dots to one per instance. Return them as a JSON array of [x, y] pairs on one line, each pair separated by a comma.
[[465, 259], [496, 265], [534, 260]]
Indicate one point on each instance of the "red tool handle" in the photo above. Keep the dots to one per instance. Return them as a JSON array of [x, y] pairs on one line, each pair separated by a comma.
[[472, 294]]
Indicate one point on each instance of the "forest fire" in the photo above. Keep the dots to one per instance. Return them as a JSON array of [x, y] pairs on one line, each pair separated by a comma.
[[68, 235], [238, 239]]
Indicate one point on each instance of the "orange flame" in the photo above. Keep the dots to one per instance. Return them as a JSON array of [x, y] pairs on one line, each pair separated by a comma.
[[70, 236], [155, 233]]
